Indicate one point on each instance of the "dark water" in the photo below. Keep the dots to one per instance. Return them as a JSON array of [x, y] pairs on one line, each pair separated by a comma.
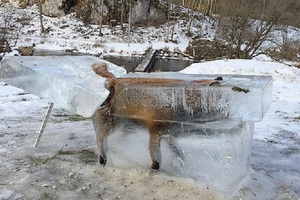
[[129, 62], [39, 52], [171, 65]]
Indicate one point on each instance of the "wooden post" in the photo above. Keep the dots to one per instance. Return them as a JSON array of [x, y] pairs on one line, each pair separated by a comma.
[[40, 133]]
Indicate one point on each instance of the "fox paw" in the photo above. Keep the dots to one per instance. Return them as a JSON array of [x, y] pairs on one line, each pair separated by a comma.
[[102, 161], [155, 165]]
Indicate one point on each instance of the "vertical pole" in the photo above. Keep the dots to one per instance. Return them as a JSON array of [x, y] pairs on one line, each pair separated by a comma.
[[40, 133], [101, 17], [129, 21], [41, 17], [122, 13]]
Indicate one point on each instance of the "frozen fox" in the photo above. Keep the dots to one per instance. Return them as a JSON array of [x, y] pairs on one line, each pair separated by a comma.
[[104, 122]]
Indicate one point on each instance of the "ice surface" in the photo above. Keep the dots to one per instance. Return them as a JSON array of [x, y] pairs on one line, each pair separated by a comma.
[[209, 128], [210, 140], [215, 153], [189, 100], [68, 81]]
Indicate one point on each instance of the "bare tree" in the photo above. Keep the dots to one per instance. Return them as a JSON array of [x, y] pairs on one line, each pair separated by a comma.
[[4, 32], [100, 7], [288, 47], [192, 10], [10, 28], [263, 10], [122, 14], [244, 34], [175, 10], [209, 6], [129, 24]]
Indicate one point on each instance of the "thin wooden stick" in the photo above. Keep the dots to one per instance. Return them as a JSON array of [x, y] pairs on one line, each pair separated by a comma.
[[40, 133]]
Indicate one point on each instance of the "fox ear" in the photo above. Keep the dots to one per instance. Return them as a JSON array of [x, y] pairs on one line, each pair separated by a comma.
[[101, 70]]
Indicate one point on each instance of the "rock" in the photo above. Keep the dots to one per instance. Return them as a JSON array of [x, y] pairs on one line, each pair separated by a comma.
[[4, 46], [145, 11], [71, 174], [53, 8], [45, 185], [87, 11], [26, 50]]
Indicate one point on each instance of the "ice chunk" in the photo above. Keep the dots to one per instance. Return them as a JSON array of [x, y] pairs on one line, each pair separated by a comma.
[[215, 153], [68, 81], [190, 98]]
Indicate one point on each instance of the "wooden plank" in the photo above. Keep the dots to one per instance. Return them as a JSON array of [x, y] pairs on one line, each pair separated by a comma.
[[147, 63]]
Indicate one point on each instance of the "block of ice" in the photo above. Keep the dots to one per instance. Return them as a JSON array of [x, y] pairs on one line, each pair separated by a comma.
[[67, 81], [187, 99], [215, 153]]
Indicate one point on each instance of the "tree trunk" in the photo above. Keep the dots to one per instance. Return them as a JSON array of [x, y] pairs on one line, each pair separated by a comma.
[[168, 31], [263, 10], [41, 17], [122, 13], [100, 4], [209, 7], [129, 23]]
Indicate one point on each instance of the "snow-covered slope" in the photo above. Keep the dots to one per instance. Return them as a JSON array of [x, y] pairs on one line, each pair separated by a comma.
[[57, 168]]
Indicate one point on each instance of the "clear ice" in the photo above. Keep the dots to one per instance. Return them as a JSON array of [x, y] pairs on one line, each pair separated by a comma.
[[215, 153], [244, 98], [209, 131], [208, 135], [67, 81]]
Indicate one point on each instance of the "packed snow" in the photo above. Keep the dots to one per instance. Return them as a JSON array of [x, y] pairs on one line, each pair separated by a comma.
[[58, 162], [63, 166]]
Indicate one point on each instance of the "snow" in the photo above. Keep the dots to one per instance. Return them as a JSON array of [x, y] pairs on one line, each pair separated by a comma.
[[59, 168], [275, 157], [67, 32]]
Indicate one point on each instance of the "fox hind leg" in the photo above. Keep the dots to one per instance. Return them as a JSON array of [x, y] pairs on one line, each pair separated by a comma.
[[155, 131], [101, 151], [103, 124]]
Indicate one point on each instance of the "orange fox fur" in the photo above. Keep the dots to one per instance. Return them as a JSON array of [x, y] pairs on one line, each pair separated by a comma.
[[104, 122]]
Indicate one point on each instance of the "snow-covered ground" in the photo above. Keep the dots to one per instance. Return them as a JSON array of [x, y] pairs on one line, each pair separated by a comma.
[[68, 32], [63, 166]]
